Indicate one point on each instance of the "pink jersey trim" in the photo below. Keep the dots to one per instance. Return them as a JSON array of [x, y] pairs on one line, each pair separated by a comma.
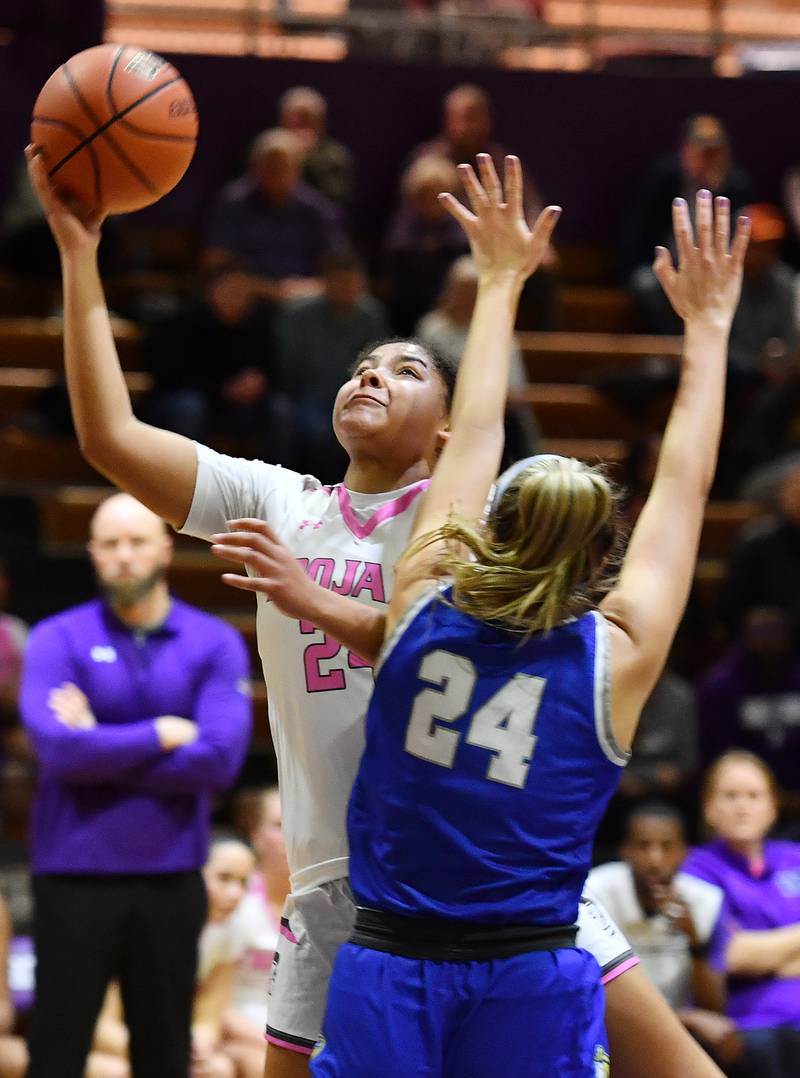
[[288, 934], [386, 512], [617, 971], [287, 1045]]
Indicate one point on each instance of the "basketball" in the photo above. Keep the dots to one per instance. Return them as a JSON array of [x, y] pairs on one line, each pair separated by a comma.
[[117, 126]]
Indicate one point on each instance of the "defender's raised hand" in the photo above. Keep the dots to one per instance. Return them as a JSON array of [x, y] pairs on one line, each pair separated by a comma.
[[501, 241], [705, 287], [74, 229]]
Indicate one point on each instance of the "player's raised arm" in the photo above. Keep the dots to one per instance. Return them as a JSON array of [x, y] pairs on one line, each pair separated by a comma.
[[506, 252], [646, 605], [156, 466]]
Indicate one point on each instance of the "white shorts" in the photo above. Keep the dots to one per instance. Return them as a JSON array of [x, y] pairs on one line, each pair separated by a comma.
[[316, 923], [313, 927]]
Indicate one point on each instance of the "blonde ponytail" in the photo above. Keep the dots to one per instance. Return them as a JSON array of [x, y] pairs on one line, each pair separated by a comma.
[[546, 552]]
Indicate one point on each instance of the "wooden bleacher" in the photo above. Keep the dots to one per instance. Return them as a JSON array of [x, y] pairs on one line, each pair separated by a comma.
[[595, 309], [581, 357], [20, 385], [579, 411], [37, 342]]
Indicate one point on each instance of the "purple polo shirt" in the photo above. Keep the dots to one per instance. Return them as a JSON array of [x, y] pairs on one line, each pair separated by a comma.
[[110, 801], [756, 901]]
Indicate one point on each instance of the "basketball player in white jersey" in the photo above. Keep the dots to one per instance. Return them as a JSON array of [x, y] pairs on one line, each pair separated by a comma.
[[392, 419]]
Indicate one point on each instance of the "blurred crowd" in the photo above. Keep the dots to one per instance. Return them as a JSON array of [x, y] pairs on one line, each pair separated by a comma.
[[699, 856]]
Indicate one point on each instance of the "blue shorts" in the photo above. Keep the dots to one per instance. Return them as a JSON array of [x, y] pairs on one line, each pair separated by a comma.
[[535, 1015]]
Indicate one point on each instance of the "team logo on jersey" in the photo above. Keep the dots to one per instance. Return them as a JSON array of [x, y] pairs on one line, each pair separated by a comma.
[[102, 654], [788, 882], [602, 1062], [313, 524]]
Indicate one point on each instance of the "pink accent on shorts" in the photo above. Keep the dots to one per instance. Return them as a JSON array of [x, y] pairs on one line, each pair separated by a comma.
[[617, 971], [386, 512], [287, 1045], [288, 934]]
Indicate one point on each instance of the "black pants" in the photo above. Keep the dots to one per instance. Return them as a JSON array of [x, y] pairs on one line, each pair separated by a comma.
[[142, 930]]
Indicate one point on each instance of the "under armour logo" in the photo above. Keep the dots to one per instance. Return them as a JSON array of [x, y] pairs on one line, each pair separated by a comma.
[[310, 524], [102, 654]]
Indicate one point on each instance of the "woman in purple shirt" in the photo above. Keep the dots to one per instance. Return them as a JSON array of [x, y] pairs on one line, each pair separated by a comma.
[[761, 881]]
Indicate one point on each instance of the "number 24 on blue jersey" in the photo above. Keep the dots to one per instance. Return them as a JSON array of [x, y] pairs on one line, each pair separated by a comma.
[[504, 724]]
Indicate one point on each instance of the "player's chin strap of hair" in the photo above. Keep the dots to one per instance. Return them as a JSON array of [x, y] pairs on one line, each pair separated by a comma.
[[505, 480]]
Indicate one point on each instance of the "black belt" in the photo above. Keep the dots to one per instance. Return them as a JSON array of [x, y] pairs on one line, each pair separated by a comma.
[[454, 941]]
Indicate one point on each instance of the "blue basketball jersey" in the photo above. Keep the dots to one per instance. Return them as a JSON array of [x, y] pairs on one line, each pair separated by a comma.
[[489, 762]]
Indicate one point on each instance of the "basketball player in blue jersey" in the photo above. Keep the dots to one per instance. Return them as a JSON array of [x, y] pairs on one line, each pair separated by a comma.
[[506, 699], [392, 450]]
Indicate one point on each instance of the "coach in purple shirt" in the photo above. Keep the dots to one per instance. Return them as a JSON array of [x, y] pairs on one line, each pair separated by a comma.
[[761, 882], [138, 709]]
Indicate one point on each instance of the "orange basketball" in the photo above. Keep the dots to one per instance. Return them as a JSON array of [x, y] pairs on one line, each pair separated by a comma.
[[117, 125]]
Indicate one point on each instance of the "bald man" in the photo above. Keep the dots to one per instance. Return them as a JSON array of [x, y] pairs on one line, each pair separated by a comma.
[[138, 709]]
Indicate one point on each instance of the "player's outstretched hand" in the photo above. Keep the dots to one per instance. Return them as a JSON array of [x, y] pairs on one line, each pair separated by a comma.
[[75, 231], [274, 571], [707, 283], [501, 241]]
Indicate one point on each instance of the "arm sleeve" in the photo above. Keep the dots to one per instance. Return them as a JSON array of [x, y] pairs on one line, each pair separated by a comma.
[[224, 715], [231, 487], [102, 754]]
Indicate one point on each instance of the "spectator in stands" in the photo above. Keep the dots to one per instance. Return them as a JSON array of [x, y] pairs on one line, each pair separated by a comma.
[[272, 224], [214, 369], [227, 873], [445, 329], [769, 435], [671, 919], [467, 131], [751, 699], [760, 878], [766, 311], [13, 634], [259, 922], [316, 339], [17, 790], [138, 708], [664, 753], [422, 242], [764, 569], [663, 759], [703, 160], [13, 1054], [327, 164]]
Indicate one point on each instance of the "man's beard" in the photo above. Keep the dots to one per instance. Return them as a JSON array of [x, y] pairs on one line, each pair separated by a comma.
[[126, 593]]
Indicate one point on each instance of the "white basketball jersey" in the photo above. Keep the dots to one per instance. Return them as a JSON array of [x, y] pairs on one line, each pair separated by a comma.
[[317, 691]]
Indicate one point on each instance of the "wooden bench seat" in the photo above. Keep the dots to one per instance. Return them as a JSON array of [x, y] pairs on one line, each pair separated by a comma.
[[19, 386], [38, 342], [581, 357], [578, 411]]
